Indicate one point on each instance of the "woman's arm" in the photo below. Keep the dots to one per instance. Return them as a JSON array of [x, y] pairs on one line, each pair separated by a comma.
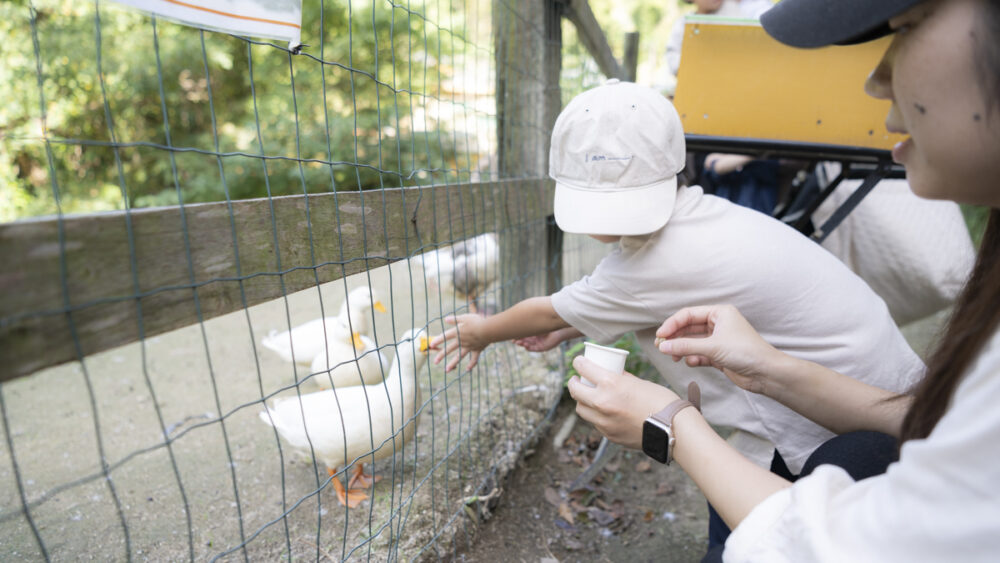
[[722, 163], [835, 401], [719, 336], [617, 405]]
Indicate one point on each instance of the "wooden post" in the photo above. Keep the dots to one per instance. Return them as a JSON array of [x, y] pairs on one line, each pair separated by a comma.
[[631, 58], [553, 105], [527, 92], [593, 38]]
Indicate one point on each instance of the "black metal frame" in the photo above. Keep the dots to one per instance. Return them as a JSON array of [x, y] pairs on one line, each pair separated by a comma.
[[873, 165]]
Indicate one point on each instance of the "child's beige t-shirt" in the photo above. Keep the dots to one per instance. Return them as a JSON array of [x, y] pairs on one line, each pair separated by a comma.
[[798, 296]]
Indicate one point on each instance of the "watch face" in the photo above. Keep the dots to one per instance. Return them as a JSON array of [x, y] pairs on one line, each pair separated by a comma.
[[655, 441]]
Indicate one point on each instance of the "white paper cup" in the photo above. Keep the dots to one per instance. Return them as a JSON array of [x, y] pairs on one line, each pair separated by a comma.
[[611, 359]]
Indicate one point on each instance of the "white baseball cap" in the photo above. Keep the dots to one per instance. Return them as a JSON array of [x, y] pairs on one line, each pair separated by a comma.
[[616, 151]]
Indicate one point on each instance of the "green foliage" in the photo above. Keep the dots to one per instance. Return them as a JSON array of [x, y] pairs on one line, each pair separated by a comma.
[[652, 19], [635, 363], [116, 83], [976, 218]]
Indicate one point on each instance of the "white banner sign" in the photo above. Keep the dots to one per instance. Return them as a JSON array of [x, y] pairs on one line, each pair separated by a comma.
[[275, 19]]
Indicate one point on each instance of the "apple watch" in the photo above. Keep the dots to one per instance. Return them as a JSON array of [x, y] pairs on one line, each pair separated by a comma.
[[657, 430]]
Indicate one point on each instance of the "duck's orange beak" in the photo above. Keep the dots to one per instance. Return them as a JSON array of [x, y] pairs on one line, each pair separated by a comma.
[[424, 344], [356, 341], [378, 306]]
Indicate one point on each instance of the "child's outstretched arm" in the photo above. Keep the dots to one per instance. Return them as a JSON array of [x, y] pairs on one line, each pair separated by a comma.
[[548, 341], [472, 333]]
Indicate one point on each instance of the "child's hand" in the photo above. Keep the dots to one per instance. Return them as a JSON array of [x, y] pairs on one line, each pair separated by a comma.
[[540, 342], [465, 336]]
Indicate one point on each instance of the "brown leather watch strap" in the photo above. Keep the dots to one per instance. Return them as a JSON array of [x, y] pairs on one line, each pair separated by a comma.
[[666, 416], [694, 395]]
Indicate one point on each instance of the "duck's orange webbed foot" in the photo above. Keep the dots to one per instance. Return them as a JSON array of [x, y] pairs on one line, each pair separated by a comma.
[[364, 480], [350, 498]]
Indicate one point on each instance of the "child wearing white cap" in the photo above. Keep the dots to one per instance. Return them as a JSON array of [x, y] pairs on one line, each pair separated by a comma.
[[615, 155]]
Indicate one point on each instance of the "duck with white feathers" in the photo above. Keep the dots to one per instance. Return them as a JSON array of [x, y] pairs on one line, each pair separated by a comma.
[[356, 362], [467, 267], [340, 344], [364, 423]]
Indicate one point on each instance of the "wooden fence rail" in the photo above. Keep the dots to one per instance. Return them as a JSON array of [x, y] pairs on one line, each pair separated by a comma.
[[78, 285]]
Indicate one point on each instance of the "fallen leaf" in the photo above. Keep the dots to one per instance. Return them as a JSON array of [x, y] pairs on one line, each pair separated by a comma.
[[643, 466], [648, 516], [565, 525], [552, 496], [572, 545], [664, 488], [594, 440], [471, 513], [601, 517], [566, 513], [617, 511]]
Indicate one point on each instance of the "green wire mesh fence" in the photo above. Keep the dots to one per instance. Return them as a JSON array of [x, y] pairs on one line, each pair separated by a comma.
[[182, 211]]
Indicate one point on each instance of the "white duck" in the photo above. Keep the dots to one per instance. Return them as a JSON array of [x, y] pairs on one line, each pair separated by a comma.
[[312, 338], [355, 362], [350, 422], [467, 267]]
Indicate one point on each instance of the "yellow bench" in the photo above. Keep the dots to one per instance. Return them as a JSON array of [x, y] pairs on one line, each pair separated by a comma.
[[739, 89]]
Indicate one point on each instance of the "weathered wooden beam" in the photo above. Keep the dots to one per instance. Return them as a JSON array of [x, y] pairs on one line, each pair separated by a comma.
[[593, 39], [631, 58], [112, 278]]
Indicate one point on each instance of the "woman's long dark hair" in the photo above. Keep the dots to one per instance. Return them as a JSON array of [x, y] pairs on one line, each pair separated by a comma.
[[977, 311], [976, 316]]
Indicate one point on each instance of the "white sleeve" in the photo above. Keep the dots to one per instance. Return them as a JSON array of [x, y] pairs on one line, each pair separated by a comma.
[[940, 502], [600, 308], [674, 43], [754, 8]]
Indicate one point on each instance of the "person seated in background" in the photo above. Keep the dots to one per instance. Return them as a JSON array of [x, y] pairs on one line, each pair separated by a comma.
[[941, 500], [616, 152], [742, 179], [726, 8]]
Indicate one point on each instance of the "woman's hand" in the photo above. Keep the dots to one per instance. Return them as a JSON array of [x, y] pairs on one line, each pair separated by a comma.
[[618, 404], [719, 336]]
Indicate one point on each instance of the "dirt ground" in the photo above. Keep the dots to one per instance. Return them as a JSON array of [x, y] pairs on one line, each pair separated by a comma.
[[202, 387], [634, 511], [193, 473], [225, 479]]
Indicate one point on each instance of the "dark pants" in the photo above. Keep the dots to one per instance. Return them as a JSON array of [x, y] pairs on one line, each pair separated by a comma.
[[861, 454]]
